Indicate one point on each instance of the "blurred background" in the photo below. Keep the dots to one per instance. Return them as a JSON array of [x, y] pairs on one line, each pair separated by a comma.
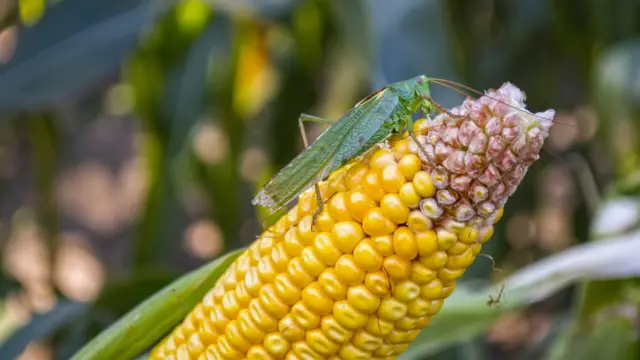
[[134, 133]]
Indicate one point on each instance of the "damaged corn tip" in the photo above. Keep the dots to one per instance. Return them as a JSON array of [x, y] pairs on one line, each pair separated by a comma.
[[394, 236]]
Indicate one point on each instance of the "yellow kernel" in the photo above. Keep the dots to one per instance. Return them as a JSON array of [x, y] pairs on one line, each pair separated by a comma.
[[293, 245], [406, 291], [307, 202], [421, 274], [358, 204], [276, 344], [409, 165], [423, 321], [182, 353], [286, 289], [316, 299], [293, 216], [265, 321], [257, 352], [347, 316], [298, 274], [266, 270], [355, 175], [458, 248], [229, 305], [336, 179], [450, 274], [362, 299], [381, 159], [337, 207], [423, 184], [348, 271], [419, 307], [409, 196], [372, 185], [252, 281], [418, 222], [446, 239], [394, 209], [366, 341], [404, 243], [226, 350], [468, 235], [334, 331], [280, 257], [404, 337], [392, 309], [350, 352], [421, 126], [249, 328], [232, 333], [304, 316], [435, 307], [448, 290], [461, 261], [266, 244], [432, 290], [218, 320], [311, 261], [375, 223], [243, 265], [499, 215], [378, 283], [305, 230], [400, 148], [436, 260], [398, 268], [385, 351], [476, 249], [378, 327], [325, 247], [392, 178], [407, 323], [366, 256], [332, 284], [324, 222], [383, 244], [303, 350], [319, 342], [485, 234], [347, 234], [427, 243]]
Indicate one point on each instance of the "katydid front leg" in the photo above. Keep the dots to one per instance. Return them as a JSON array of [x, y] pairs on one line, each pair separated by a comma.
[[303, 132]]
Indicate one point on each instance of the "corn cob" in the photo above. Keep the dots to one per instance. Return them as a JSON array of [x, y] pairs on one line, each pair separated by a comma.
[[394, 235]]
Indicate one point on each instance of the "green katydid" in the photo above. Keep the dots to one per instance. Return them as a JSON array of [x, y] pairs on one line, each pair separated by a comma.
[[372, 120]]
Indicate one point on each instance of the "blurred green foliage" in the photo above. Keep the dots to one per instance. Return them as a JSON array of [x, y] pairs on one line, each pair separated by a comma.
[[206, 94]]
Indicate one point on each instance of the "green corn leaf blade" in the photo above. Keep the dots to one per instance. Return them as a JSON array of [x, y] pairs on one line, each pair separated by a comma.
[[467, 313], [75, 45], [616, 90], [184, 102], [612, 338], [147, 323], [41, 326]]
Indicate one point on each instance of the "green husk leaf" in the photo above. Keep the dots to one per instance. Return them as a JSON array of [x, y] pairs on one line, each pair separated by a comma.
[[147, 323]]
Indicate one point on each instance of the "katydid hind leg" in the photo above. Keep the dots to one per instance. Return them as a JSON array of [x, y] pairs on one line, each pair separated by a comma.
[[305, 141]]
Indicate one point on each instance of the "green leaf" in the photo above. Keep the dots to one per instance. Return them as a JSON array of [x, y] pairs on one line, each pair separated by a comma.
[[41, 326], [147, 323], [183, 103], [613, 338], [74, 45]]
